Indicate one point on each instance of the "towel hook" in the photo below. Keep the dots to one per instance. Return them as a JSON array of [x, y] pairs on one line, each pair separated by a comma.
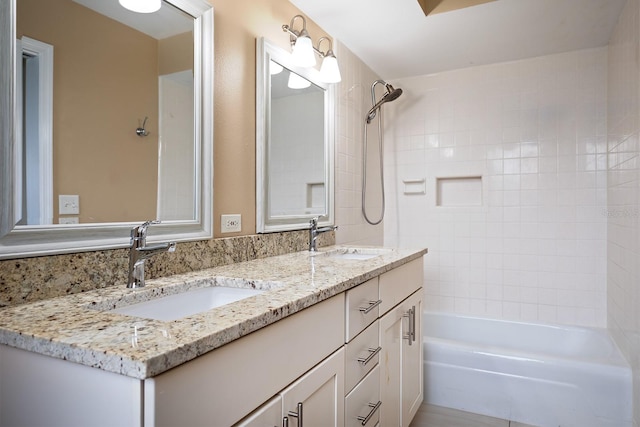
[[141, 131]]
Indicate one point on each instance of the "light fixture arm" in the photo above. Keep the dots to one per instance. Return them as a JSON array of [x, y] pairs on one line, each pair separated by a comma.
[[292, 32], [319, 51]]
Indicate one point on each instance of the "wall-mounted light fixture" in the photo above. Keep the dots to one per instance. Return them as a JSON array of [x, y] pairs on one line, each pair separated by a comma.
[[302, 51], [141, 6]]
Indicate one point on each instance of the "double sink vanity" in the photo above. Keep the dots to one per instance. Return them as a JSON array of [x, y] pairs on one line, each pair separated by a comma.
[[330, 338]]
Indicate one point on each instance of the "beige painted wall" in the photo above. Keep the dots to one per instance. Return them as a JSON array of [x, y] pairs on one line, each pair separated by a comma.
[[175, 53], [97, 104]]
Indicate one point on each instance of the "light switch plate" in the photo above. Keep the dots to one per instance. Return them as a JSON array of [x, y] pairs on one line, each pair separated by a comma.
[[68, 204]]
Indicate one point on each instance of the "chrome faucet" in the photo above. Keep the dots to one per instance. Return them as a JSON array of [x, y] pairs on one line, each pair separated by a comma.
[[139, 252], [314, 232]]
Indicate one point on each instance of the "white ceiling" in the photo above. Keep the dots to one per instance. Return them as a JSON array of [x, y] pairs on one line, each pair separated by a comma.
[[396, 40]]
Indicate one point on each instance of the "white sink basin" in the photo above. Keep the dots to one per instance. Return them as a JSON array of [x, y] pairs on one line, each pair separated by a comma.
[[184, 304], [181, 299]]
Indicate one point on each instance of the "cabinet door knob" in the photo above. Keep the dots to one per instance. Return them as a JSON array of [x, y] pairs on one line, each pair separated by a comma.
[[371, 306], [297, 415], [374, 407], [372, 354]]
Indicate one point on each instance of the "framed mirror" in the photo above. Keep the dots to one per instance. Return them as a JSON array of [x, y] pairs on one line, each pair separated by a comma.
[[295, 136], [108, 123]]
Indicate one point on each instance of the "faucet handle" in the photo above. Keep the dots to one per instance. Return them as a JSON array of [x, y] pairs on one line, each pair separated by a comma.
[[140, 231], [314, 222]]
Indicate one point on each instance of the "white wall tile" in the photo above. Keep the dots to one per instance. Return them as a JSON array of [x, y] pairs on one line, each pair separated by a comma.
[[530, 128]]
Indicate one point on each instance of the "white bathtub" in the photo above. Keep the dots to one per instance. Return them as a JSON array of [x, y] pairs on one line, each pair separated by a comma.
[[544, 375]]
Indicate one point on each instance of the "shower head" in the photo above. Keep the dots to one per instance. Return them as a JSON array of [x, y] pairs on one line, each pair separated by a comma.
[[390, 94]]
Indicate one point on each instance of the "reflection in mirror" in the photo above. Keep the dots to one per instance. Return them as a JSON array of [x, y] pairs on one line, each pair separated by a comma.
[[108, 129], [296, 149], [295, 137], [80, 101]]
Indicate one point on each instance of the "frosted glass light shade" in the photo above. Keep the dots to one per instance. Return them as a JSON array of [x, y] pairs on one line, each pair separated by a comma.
[[141, 6], [302, 52], [329, 70], [297, 82]]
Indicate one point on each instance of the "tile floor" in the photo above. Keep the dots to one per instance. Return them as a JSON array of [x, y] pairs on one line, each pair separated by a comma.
[[436, 416]]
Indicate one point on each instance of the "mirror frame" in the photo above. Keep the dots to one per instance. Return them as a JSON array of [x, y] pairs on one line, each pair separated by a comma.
[[265, 52], [20, 242]]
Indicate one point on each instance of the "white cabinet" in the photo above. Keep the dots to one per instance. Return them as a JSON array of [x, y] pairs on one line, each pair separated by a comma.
[[362, 405], [401, 381], [268, 415], [317, 398], [221, 387], [401, 370]]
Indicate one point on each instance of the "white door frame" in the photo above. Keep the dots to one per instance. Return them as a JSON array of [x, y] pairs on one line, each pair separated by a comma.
[[44, 52]]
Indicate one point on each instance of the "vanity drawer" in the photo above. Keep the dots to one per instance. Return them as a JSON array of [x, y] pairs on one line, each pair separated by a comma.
[[361, 307], [362, 405], [364, 348], [399, 283]]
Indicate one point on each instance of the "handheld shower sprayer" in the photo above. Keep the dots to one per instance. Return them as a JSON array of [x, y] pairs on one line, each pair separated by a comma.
[[389, 95]]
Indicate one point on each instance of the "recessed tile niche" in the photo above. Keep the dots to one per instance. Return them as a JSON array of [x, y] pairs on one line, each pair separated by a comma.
[[459, 191]]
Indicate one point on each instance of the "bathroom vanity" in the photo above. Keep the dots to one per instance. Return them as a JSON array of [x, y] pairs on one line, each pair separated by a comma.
[[332, 339]]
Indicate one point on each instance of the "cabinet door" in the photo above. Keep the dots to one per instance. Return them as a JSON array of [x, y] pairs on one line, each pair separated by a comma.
[[268, 415], [319, 395], [412, 364], [401, 362]]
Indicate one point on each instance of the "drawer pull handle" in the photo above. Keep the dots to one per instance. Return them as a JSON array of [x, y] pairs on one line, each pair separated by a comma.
[[285, 422], [372, 354], [297, 415], [372, 305], [374, 407], [411, 335]]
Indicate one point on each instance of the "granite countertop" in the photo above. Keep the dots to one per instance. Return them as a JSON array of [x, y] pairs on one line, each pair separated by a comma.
[[79, 328]]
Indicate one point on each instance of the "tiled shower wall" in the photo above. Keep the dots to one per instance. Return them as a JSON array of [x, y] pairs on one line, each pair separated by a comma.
[[354, 100], [623, 196], [524, 236]]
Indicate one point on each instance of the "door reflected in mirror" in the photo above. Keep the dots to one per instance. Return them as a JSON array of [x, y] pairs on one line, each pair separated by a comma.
[[106, 103]]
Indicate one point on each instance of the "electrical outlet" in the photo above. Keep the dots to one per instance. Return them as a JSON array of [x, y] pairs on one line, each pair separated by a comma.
[[231, 223], [68, 220]]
